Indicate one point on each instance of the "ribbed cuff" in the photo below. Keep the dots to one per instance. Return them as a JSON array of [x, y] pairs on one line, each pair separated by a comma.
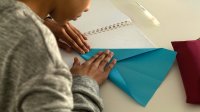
[[89, 88], [85, 83]]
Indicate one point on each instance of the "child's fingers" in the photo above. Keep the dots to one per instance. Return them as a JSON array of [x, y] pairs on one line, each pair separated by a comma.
[[80, 35], [78, 32], [100, 58], [91, 60], [106, 60], [72, 43], [110, 66], [86, 44], [76, 38]]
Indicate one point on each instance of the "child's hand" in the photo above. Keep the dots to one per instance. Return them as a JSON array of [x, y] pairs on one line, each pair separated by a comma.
[[68, 37], [95, 68]]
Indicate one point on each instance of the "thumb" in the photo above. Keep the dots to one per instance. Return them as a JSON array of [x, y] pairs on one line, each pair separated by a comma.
[[76, 62]]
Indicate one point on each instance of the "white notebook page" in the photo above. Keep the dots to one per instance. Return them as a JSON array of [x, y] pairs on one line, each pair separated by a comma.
[[101, 14], [125, 37]]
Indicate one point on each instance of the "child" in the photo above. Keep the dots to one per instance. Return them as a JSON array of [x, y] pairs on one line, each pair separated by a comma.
[[33, 76]]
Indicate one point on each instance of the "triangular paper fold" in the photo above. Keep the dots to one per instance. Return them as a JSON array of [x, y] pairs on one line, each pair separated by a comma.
[[139, 72]]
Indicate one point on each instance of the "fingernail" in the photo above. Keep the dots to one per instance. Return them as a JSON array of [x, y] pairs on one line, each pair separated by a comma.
[[115, 60], [107, 51], [85, 37], [85, 49], [111, 53], [82, 52]]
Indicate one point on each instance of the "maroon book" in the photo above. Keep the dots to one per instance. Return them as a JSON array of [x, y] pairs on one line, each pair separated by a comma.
[[188, 58]]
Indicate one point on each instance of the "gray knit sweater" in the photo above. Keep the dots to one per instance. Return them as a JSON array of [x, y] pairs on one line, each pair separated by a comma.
[[33, 76]]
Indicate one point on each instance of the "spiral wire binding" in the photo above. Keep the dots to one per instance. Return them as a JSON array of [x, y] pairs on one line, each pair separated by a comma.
[[108, 28]]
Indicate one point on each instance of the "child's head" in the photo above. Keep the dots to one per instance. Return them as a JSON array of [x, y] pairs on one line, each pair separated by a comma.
[[60, 10], [69, 9]]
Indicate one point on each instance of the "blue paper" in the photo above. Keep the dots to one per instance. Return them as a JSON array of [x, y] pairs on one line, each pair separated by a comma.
[[139, 72]]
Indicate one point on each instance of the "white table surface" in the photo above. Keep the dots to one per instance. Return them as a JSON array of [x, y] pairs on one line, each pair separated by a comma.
[[180, 20]]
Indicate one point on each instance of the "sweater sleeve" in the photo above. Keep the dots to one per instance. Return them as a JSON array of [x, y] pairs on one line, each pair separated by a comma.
[[52, 88], [53, 93]]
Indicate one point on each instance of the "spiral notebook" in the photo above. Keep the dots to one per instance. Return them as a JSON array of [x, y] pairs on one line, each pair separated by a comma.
[[108, 27]]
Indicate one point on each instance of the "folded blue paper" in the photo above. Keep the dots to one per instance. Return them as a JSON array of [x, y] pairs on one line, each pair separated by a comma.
[[139, 72]]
